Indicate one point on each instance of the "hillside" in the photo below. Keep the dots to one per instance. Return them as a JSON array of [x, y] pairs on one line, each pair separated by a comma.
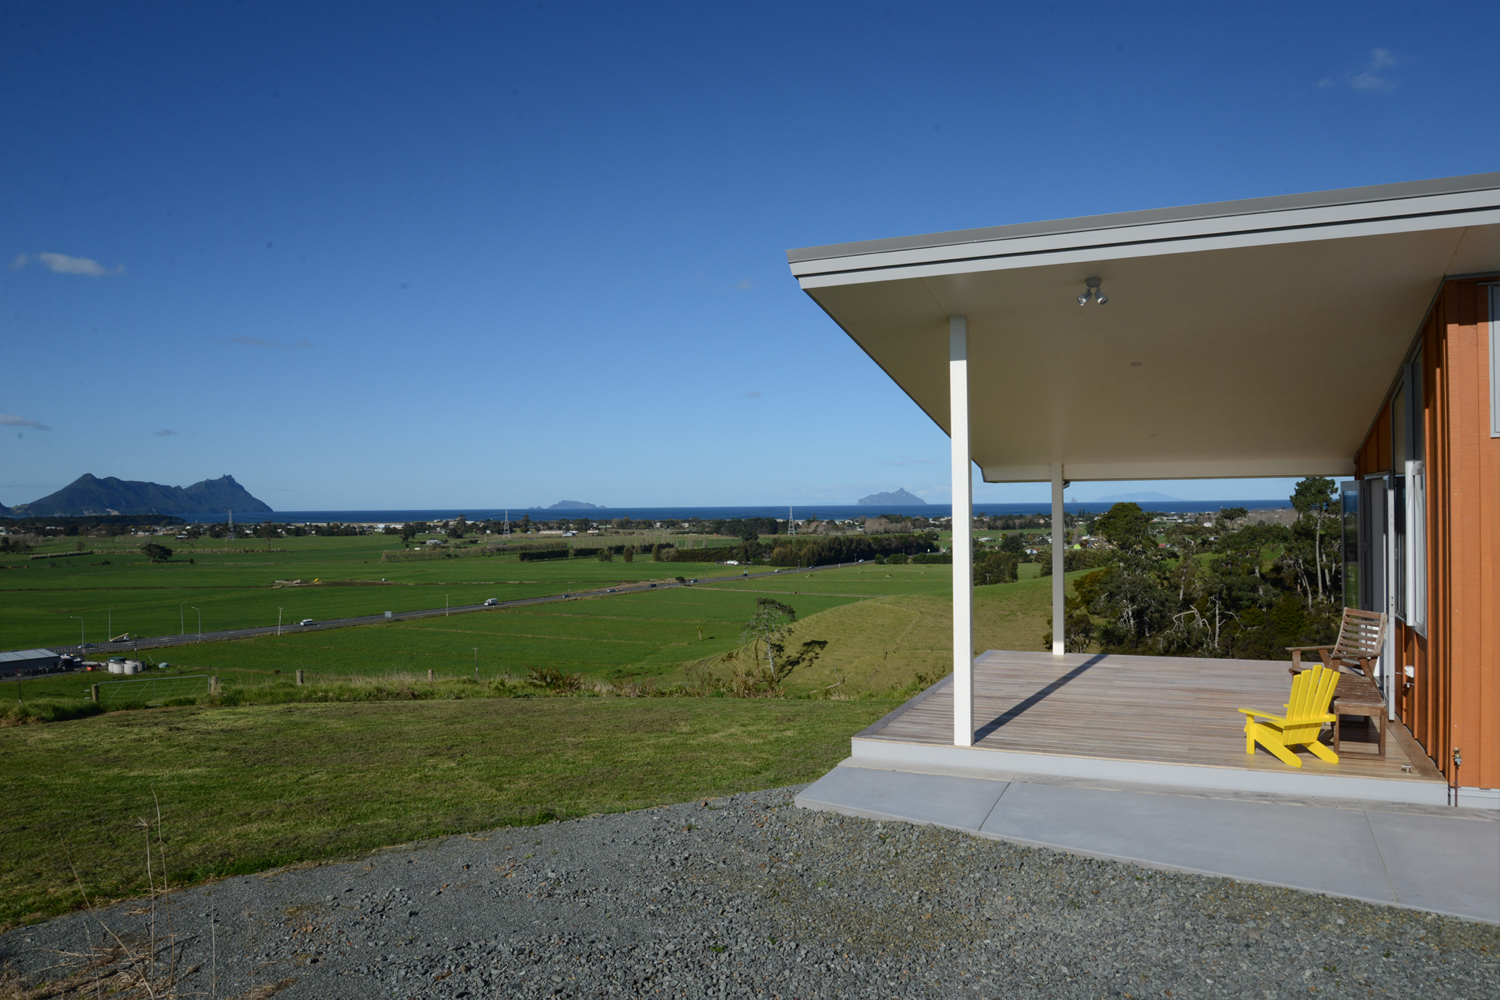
[[893, 646], [89, 494]]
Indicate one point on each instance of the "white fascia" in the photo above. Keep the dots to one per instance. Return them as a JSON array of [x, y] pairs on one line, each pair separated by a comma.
[[1406, 215]]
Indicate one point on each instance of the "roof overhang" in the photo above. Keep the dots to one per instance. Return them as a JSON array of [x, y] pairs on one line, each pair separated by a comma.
[[1248, 338]]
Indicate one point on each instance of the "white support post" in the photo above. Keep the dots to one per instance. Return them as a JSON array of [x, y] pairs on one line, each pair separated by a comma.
[[1059, 545], [963, 531]]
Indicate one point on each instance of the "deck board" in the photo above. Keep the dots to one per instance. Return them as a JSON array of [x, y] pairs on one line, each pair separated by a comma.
[[1173, 710]]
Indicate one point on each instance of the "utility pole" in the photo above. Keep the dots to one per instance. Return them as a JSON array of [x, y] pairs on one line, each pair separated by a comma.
[[278, 620], [110, 626], [507, 524], [230, 533], [445, 605], [476, 663], [791, 525], [200, 625]]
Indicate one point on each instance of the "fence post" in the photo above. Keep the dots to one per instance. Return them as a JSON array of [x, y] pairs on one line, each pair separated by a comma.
[[214, 689], [299, 678], [429, 675], [94, 693]]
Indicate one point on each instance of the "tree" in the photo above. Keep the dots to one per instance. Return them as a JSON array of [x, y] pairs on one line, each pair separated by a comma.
[[1126, 526], [769, 625], [458, 527], [156, 553], [1314, 499], [994, 566]]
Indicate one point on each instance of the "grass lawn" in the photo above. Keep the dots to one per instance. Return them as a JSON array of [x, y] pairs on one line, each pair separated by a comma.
[[249, 788]]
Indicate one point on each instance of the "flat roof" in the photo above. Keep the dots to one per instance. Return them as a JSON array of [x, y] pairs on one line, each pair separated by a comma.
[[1368, 195], [27, 654], [1242, 338]]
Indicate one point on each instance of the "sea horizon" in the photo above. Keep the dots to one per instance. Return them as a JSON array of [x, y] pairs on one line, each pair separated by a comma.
[[826, 512]]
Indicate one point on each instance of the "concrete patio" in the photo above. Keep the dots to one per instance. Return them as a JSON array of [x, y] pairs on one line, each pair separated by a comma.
[[1142, 759], [1434, 858]]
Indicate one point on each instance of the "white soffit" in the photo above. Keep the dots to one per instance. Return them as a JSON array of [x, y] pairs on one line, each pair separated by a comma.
[[1266, 339]]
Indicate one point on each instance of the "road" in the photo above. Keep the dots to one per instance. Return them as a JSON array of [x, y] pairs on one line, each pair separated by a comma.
[[97, 649]]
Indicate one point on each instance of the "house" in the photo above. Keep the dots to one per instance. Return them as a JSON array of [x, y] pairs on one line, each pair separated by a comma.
[[1348, 334]]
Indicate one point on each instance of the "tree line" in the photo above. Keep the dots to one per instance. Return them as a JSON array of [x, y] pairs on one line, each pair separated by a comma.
[[1234, 589]]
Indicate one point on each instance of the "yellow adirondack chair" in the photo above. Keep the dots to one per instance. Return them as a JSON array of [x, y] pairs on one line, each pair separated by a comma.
[[1306, 712]]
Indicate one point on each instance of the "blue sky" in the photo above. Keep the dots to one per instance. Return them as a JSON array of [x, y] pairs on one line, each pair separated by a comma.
[[393, 256]]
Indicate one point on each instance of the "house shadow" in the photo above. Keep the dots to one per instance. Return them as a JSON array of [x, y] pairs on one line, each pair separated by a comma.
[[1020, 708]]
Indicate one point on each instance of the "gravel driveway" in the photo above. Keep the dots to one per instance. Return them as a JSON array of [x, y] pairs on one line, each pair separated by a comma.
[[750, 896]]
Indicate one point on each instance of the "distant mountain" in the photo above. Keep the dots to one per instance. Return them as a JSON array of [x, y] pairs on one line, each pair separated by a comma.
[[89, 494], [899, 497], [1137, 498], [574, 505]]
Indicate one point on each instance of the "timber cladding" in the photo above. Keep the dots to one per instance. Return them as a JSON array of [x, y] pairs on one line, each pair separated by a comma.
[[1454, 699]]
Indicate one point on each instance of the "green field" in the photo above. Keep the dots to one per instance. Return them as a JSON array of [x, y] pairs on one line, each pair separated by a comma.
[[234, 586], [246, 789], [883, 629]]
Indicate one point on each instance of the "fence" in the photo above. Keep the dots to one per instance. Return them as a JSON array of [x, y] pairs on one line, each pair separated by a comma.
[[151, 690]]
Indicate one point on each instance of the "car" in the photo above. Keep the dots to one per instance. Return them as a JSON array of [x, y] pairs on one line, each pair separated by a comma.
[[490, 602], [305, 621], [611, 590], [693, 580]]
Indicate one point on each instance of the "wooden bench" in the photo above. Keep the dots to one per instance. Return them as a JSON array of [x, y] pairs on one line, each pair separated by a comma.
[[1361, 635]]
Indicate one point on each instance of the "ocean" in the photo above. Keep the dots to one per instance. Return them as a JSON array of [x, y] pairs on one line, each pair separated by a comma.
[[826, 512]]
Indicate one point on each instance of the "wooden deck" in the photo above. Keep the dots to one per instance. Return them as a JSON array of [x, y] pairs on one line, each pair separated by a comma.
[[1146, 709]]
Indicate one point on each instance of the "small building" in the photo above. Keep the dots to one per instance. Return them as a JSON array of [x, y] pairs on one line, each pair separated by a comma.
[[25, 662]]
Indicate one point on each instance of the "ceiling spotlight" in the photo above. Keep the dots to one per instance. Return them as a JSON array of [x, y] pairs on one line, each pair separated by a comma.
[[1092, 292]]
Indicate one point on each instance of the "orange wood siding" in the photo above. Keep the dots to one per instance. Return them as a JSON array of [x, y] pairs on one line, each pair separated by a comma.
[[1454, 700]]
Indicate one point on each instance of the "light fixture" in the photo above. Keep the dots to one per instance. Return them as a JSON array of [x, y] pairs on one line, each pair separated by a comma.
[[1092, 292]]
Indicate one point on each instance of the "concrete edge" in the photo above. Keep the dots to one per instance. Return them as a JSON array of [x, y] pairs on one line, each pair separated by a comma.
[[1443, 811], [1189, 776], [815, 805], [1479, 798]]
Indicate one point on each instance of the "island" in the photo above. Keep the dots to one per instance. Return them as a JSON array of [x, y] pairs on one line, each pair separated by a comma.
[[889, 499]]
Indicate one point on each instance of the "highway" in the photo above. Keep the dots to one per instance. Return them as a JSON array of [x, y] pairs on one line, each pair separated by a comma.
[[95, 650]]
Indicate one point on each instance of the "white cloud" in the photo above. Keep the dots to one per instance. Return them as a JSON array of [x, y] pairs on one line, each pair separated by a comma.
[[269, 345], [1373, 77], [61, 263], [20, 261], [1370, 79], [11, 420]]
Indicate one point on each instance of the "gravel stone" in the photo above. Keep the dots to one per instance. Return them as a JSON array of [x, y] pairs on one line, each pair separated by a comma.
[[749, 896]]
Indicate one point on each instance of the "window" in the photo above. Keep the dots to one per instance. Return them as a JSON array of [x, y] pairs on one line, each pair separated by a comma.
[[1495, 361], [1349, 529], [1409, 498]]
